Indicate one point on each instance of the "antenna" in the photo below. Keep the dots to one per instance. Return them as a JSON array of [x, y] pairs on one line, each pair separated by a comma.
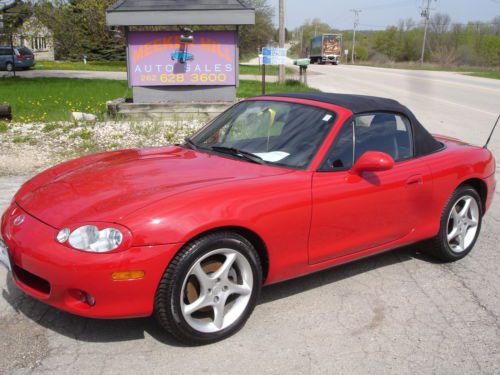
[[492, 131]]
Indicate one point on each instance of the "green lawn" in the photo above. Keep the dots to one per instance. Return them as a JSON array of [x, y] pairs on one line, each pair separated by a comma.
[[109, 66], [53, 99], [253, 88], [271, 70], [493, 75]]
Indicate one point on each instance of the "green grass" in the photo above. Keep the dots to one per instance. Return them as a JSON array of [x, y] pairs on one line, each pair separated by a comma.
[[271, 70], [492, 75], [253, 88], [4, 127], [109, 66], [53, 99]]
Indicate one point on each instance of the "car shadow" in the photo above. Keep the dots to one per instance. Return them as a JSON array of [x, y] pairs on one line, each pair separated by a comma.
[[117, 330]]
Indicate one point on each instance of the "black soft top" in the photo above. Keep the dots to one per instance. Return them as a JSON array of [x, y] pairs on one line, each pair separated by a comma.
[[425, 143]]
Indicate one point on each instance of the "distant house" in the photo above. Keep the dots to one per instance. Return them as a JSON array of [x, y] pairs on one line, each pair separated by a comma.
[[37, 37]]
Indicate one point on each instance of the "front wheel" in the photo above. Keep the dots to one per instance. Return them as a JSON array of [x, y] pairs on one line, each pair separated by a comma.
[[9, 66], [210, 289], [460, 226]]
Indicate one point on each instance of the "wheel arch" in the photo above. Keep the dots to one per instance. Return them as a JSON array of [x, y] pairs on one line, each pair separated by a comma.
[[481, 188], [256, 240]]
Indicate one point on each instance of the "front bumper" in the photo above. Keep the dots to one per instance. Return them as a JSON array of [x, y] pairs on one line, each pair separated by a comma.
[[60, 276]]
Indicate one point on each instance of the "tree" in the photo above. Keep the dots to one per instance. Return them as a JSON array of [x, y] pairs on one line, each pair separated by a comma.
[[13, 19], [79, 28], [305, 33], [253, 37]]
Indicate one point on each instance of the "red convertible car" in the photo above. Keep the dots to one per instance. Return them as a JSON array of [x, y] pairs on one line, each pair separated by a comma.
[[274, 188]]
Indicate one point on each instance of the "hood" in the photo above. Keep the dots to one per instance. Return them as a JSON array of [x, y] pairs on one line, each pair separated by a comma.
[[117, 185]]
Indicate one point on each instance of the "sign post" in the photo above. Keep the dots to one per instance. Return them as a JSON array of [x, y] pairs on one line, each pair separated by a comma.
[[271, 56]]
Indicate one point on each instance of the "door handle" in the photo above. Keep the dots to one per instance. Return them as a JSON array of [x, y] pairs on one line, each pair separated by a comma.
[[415, 180]]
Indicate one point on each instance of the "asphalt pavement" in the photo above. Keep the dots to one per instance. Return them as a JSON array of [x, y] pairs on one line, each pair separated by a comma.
[[395, 313]]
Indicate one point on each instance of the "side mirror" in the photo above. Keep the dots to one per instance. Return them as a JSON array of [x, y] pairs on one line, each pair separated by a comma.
[[373, 161]]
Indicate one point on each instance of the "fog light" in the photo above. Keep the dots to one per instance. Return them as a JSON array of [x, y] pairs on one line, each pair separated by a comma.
[[127, 275]]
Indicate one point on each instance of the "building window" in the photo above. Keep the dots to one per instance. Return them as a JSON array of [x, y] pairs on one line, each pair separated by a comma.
[[38, 43]]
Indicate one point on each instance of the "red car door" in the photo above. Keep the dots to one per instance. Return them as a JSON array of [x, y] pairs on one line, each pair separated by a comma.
[[354, 212]]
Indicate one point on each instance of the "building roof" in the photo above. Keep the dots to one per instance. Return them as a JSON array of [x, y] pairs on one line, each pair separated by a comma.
[[180, 12], [424, 142]]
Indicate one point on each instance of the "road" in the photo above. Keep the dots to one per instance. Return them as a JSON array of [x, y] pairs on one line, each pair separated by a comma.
[[396, 313]]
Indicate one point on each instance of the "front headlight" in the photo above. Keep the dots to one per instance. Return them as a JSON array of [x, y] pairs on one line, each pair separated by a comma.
[[90, 238]]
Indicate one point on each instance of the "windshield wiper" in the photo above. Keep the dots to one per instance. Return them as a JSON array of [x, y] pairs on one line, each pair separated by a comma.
[[239, 153], [190, 143]]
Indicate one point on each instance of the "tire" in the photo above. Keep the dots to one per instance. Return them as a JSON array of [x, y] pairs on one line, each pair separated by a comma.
[[215, 272], [9, 67], [448, 246]]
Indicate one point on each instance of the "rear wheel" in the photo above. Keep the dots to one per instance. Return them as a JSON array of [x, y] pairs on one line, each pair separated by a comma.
[[210, 289], [460, 226], [9, 66]]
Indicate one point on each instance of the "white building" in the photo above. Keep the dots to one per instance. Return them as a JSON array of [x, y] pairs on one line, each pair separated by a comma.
[[37, 38]]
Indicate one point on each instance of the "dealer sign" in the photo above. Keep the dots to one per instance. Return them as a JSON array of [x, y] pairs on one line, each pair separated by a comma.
[[162, 59]]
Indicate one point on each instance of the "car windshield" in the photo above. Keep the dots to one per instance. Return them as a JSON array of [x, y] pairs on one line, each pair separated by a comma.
[[270, 132]]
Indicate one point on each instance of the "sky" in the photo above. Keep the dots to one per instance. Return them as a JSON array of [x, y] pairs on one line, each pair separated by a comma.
[[378, 14]]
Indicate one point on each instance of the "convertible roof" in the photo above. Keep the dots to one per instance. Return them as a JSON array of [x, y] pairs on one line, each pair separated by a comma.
[[355, 103], [425, 143]]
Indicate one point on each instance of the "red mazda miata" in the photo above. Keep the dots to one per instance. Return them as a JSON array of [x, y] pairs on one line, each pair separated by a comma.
[[274, 188]]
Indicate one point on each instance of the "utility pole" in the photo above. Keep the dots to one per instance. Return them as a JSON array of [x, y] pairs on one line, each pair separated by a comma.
[[356, 24], [426, 14], [282, 38]]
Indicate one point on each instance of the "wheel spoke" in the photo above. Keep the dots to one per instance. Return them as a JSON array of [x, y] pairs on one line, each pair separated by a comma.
[[219, 312], [465, 209], [471, 223], [204, 280], [223, 271], [454, 233], [242, 290], [455, 215], [200, 303], [461, 241]]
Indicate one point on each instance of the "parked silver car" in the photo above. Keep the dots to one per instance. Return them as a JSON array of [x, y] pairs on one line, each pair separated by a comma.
[[20, 58]]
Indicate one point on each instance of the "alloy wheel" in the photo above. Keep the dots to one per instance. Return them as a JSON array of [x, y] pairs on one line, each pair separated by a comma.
[[216, 290], [463, 224]]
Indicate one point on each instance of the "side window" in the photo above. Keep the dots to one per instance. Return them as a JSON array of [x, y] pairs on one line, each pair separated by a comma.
[[340, 156], [385, 132]]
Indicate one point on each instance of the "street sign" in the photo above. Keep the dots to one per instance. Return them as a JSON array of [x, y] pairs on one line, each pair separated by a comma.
[[274, 56]]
